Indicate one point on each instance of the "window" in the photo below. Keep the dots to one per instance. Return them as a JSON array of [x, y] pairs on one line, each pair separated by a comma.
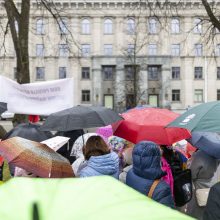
[[198, 72], [108, 26], [85, 72], [217, 50], [108, 72], [152, 25], [63, 26], [40, 73], [218, 94], [40, 26], [154, 72], [85, 26], [15, 73], [62, 72], [175, 26], [175, 49], [198, 50], [108, 49], [85, 95], [86, 50], [63, 50], [176, 72], [39, 50], [197, 26], [131, 26], [152, 49], [175, 95], [218, 72], [130, 49], [198, 95], [129, 72]]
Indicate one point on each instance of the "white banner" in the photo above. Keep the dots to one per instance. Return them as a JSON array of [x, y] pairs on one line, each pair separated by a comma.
[[41, 98]]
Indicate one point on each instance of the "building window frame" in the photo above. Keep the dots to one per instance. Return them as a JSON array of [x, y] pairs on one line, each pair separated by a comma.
[[131, 26], [198, 73], [85, 73], [40, 26], [175, 25], [176, 95], [108, 26], [175, 50], [86, 26], [197, 26], [154, 72], [40, 73], [40, 50], [86, 50], [62, 72], [175, 72], [198, 95], [63, 26], [152, 49], [63, 50], [152, 25], [198, 50], [108, 49], [86, 96], [108, 72]]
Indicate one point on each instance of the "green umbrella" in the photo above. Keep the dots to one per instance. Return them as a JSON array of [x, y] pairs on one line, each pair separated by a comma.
[[204, 117], [93, 198]]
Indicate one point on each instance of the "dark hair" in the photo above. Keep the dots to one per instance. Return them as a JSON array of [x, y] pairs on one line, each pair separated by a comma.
[[95, 146]]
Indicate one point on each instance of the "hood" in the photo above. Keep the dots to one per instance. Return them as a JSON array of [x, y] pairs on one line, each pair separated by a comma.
[[107, 164], [147, 160]]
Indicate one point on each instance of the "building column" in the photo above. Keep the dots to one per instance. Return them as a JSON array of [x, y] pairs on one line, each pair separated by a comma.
[[97, 87], [165, 92], [120, 96], [143, 85]]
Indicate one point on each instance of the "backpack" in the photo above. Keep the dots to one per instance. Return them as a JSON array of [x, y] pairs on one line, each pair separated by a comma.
[[182, 179]]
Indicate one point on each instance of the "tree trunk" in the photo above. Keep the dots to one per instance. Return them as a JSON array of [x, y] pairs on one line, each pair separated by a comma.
[[19, 27]]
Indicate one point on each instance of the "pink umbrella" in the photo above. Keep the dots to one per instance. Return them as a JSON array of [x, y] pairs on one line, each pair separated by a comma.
[[105, 132]]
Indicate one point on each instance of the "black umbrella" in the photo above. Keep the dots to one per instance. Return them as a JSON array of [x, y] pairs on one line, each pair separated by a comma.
[[208, 142], [80, 117], [3, 107], [67, 148], [29, 131]]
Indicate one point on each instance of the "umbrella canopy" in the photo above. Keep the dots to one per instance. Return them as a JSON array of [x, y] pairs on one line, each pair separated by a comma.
[[80, 117], [94, 198], [105, 132], [56, 143], [35, 157], [204, 117], [149, 124], [206, 141], [29, 131], [3, 107], [78, 144]]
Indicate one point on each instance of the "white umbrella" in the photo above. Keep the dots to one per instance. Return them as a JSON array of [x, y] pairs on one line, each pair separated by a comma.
[[56, 143]]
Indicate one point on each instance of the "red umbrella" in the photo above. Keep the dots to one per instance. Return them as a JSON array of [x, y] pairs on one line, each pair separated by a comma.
[[149, 124]]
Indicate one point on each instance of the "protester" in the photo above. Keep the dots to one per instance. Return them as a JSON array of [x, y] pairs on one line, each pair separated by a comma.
[[146, 170], [99, 159], [212, 210], [203, 168]]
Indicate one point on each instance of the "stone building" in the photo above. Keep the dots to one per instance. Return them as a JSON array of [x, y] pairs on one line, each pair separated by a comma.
[[117, 51]]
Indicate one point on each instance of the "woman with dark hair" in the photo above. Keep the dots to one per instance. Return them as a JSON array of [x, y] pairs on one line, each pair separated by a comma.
[[99, 159]]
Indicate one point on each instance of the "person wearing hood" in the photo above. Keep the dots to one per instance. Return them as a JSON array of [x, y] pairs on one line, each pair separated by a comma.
[[146, 170], [99, 159]]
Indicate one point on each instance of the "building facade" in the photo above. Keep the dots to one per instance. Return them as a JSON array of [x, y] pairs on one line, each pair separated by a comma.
[[119, 51]]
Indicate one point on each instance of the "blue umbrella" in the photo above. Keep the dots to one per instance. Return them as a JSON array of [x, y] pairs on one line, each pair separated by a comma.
[[206, 141]]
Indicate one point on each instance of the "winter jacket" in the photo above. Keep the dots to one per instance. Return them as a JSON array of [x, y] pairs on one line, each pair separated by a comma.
[[107, 164], [146, 169], [212, 210], [203, 168]]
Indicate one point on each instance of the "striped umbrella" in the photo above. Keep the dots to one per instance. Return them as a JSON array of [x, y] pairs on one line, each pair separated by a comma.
[[35, 157]]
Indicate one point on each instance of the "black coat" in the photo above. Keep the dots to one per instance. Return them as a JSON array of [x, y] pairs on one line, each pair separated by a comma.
[[212, 210]]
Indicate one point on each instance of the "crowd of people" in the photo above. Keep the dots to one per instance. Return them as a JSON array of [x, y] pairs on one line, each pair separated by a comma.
[[155, 171]]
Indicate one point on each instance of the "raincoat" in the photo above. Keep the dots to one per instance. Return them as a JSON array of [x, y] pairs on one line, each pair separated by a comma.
[[203, 168], [146, 169], [107, 164]]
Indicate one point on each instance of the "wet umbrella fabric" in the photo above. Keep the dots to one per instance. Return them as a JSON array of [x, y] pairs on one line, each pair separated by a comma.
[[206, 141], [35, 157], [203, 117], [3, 107], [80, 117], [149, 124], [103, 196], [29, 131]]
